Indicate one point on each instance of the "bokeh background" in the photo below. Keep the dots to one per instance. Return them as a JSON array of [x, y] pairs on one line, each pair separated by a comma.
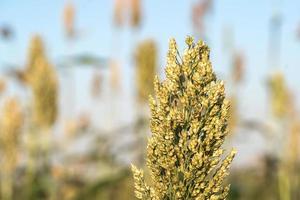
[[75, 78]]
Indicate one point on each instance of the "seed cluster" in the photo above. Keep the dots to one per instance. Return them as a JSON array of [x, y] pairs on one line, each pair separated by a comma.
[[129, 7], [279, 95], [11, 125], [189, 124], [146, 55], [42, 79]]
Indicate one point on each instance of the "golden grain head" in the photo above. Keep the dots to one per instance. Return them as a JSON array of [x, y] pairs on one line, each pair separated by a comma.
[[146, 61], [11, 128], [36, 49], [279, 94], [189, 115], [41, 77], [44, 85]]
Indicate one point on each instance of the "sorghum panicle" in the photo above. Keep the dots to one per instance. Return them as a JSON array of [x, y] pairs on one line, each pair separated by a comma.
[[36, 50], [135, 13], [279, 95], [44, 87], [145, 57], [69, 18], [42, 79], [11, 125], [189, 124]]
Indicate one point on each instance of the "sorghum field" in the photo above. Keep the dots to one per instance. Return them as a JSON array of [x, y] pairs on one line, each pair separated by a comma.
[[149, 100]]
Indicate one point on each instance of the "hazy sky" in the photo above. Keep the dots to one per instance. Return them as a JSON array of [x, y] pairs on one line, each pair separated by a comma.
[[248, 21]]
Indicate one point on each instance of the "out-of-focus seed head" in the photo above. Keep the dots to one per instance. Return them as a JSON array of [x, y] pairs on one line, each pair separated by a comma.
[[135, 13], [127, 9], [96, 84], [41, 77], [36, 50], [280, 96], [115, 74], [2, 86], [233, 114], [44, 87], [292, 148], [146, 60], [119, 7], [11, 128], [69, 19], [200, 9], [238, 67]]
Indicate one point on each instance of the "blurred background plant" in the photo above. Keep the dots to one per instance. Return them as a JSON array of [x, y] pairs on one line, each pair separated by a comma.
[[75, 78]]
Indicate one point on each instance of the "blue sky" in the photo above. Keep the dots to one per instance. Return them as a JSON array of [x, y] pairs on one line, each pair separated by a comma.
[[247, 20]]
